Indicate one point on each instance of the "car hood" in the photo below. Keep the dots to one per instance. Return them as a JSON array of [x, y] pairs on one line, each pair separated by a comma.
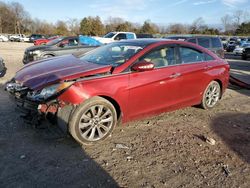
[[45, 72]]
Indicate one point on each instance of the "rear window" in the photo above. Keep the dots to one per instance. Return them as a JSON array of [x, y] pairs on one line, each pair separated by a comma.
[[204, 42], [216, 43]]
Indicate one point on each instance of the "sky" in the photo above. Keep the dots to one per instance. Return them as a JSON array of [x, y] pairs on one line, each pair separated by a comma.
[[137, 11]]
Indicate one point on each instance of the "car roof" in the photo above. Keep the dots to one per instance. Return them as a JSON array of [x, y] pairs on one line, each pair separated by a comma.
[[190, 36]]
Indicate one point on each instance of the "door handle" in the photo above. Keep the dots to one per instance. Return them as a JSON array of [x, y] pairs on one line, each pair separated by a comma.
[[208, 67], [175, 75]]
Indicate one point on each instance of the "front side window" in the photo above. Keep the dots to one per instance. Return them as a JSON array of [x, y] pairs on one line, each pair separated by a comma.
[[121, 36], [190, 55], [162, 57], [55, 41], [73, 42], [204, 42]]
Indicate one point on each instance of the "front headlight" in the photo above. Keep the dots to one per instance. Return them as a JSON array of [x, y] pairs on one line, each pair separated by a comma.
[[49, 91], [36, 52]]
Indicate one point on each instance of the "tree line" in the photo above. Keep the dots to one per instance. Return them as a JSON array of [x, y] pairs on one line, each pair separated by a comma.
[[15, 19]]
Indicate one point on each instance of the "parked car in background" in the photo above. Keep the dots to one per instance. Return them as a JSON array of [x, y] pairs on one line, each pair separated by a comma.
[[123, 80], [144, 36], [246, 53], [239, 49], [224, 41], [34, 37], [212, 43], [2, 68], [56, 47], [115, 36], [3, 38], [44, 41], [18, 38], [23, 38], [231, 45]]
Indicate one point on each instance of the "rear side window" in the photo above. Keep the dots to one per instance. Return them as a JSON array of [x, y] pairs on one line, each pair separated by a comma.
[[216, 43], [130, 36], [204, 42], [208, 57], [190, 55]]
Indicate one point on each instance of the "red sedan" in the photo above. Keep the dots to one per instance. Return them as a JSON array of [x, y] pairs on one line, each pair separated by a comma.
[[44, 41], [124, 81]]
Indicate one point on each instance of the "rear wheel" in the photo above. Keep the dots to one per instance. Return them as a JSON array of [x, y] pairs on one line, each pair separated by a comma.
[[92, 121], [211, 95]]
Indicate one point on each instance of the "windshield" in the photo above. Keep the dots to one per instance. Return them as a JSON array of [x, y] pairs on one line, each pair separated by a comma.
[[113, 54], [55, 41], [109, 35]]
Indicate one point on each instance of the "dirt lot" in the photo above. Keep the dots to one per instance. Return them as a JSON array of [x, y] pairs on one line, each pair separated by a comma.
[[164, 151]]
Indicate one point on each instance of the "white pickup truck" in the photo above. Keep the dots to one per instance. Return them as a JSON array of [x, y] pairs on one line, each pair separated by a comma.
[[114, 36], [19, 38]]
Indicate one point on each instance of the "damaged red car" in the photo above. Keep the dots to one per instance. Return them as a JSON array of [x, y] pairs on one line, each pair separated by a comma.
[[119, 82]]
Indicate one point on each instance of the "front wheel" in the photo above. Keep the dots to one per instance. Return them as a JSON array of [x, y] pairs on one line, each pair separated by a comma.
[[92, 121], [211, 95]]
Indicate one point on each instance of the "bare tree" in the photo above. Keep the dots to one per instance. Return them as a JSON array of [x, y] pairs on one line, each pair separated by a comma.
[[19, 15], [238, 17], [178, 28], [73, 26], [197, 26], [227, 23]]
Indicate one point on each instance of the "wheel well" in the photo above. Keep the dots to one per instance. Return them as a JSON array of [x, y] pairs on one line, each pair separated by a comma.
[[48, 54], [116, 105], [221, 86]]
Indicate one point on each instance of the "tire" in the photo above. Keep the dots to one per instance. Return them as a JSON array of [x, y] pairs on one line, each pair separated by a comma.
[[1, 40], [90, 115], [211, 95]]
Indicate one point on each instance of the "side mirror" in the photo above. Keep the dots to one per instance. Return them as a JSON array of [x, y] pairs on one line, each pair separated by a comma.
[[142, 66]]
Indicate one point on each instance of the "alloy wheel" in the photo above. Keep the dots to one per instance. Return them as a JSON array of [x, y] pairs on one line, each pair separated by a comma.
[[212, 94], [96, 122]]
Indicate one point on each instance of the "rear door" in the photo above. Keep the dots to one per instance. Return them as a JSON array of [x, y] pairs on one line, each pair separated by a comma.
[[193, 72], [154, 91]]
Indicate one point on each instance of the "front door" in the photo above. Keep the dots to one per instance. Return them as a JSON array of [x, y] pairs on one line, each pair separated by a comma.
[[151, 92]]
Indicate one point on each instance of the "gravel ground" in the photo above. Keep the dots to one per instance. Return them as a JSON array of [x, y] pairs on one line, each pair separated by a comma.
[[185, 148]]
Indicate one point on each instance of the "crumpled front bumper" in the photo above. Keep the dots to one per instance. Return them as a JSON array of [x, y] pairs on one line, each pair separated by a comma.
[[18, 94]]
